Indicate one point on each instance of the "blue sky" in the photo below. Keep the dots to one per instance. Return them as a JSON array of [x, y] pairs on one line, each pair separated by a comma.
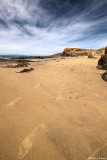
[[44, 27]]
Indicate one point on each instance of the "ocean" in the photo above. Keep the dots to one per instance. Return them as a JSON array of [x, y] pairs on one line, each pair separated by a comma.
[[13, 56]]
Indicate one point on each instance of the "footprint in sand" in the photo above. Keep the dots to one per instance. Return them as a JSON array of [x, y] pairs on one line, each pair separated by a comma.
[[37, 86], [28, 142], [100, 152], [12, 103]]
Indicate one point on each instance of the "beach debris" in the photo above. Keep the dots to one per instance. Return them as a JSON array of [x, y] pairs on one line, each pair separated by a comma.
[[26, 70], [103, 61], [104, 76]]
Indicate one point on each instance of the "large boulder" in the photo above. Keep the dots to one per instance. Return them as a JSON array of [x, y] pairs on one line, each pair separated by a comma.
[[104, 76], [103, 60]]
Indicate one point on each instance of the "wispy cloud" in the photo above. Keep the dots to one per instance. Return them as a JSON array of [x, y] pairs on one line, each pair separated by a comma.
[[40, 27]]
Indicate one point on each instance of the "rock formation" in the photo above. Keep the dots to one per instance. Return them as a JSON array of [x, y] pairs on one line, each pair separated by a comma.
[[24, 64], [104, 76], [26, 70], [103, 60], [73, 52]]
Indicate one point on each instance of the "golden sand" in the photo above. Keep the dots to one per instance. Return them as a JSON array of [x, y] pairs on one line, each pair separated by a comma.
[[56, 112]]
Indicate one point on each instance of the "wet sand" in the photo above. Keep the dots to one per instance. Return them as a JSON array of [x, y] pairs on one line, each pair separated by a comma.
[[56, 112]]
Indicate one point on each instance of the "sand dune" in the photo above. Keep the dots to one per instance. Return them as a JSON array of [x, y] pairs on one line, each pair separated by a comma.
[[56, 112]]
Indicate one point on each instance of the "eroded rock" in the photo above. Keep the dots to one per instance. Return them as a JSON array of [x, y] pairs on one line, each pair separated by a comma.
[[104, 76], [26, 70], [103, 60], [25, 64]]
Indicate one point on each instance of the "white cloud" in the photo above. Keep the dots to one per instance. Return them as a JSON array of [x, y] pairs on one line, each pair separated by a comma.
[[75, 31]]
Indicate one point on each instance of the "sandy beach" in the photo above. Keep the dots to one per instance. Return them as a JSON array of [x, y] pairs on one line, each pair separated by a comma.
[[56, 112]]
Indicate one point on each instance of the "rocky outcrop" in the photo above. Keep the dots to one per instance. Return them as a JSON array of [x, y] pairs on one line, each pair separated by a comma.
[[73, 52], [24, 64], [103, 60], [104, 76], [26, 70]]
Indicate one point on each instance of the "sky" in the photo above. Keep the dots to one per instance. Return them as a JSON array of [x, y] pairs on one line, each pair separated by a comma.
[[45, 27]]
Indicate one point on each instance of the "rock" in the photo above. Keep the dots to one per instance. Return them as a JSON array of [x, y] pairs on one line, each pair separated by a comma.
[[26, 70], [24, 64], [74, 52], [103, 60], [104, 76], [99, 67]]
